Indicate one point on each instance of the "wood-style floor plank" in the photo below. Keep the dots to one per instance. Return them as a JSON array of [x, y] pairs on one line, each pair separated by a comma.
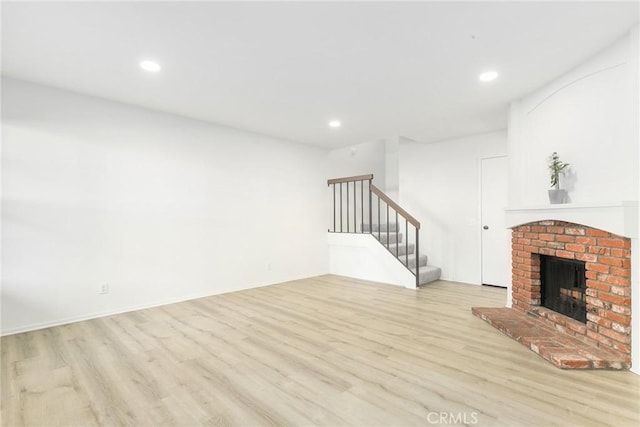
[[328, 350]]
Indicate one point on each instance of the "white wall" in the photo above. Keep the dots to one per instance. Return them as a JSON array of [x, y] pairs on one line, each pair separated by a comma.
[[439, 185], [589, 116], [162, 208], [392, 168], [359, 159]]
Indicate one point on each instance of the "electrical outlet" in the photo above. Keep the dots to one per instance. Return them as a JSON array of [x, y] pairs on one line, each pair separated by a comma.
[[104, 288]]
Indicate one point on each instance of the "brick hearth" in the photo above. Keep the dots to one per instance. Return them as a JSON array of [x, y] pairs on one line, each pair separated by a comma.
[[608, 282], [558, 348]]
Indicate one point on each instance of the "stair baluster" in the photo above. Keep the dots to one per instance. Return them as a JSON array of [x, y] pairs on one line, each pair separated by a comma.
[[390, 205]]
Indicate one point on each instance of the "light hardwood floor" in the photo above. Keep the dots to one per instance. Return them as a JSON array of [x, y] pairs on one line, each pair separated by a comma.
[[321, 351]]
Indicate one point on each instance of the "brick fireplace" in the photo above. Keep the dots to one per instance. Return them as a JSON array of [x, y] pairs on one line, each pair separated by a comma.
[[598, 240], [608, 280]]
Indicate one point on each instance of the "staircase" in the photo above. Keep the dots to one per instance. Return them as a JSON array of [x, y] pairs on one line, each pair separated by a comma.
[[403, 251], [360, 207]]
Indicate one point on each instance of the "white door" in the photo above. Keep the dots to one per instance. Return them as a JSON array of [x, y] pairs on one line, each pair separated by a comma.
[[496, 239]]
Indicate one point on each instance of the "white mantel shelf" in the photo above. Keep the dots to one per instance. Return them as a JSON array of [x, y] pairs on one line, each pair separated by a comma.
[[617, 217]]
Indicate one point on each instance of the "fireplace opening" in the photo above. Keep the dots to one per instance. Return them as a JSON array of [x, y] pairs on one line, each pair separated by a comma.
[[563, 286]]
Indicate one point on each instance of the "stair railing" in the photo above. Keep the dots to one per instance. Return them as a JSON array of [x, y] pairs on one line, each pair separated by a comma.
[[346, 210], [339, 192]]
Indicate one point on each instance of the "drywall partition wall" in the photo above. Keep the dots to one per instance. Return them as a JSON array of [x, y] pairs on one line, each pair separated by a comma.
[[363, 257], [159, 208], [589, 116], [440, 186], [391, 168], [358, 159], [379, 157]]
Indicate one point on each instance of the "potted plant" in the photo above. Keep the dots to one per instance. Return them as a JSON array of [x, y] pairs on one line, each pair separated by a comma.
[[557, 168]]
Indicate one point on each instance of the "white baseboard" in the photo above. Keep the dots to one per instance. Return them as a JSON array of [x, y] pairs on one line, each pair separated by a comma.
[[96, 315]]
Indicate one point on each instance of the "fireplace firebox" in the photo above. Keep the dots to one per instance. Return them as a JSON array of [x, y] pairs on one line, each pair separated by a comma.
[[563, 286]]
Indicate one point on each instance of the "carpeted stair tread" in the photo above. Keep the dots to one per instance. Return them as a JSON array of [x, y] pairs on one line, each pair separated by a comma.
[[428, 274]]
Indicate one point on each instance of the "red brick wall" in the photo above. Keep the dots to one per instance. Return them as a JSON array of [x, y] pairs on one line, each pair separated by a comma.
[[608, 271]]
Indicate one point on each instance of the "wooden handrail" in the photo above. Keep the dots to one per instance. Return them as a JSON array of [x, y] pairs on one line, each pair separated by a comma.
[[350, 179], [395, 206]]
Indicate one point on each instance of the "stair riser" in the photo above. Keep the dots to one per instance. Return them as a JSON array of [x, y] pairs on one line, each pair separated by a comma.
[[412, 261], [429, 274], [391, 236], [382, 227], [401, 250]]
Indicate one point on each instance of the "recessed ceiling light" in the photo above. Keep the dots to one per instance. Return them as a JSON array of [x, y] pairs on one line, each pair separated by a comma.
[[150, 66], [335, 123], [488, 76]]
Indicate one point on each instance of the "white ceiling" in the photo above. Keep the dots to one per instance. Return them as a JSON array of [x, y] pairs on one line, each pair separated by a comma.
[[286, 69]]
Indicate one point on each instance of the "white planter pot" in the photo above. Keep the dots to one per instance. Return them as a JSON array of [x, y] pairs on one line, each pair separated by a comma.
[[557, 196]]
